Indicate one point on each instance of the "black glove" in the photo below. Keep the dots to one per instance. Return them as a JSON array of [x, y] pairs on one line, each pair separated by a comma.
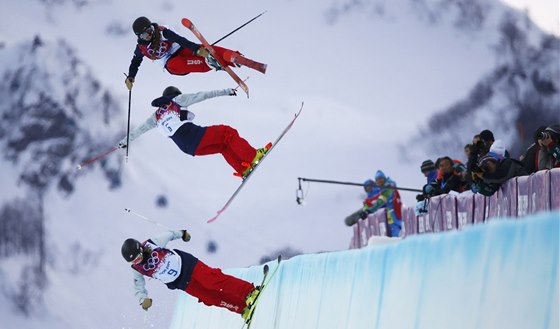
[[420, 197], [186, 236]]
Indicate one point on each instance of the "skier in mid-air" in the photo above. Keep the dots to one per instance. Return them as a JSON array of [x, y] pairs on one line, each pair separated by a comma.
[[174, 121], [183, 271], [178, 55]]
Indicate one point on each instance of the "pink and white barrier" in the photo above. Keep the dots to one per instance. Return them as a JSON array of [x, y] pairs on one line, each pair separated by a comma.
[[516, 198]]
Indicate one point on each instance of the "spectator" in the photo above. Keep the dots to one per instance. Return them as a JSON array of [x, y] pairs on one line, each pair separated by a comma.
[[429, 170], [468, 150], [493, 172], [497, 149], [530, 159], [549, 157], [388, 198], [370, 188], [449, 178], [481, 146]]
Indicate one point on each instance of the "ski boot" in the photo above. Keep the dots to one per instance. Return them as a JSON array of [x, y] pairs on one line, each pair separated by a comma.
[[252, 296], [260, 153], [246, 312], [213, 63]]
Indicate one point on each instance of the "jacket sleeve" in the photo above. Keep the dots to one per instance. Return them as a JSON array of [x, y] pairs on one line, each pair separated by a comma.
[[182, 41], [135, 62], [163, 239], [378, 201], [149, 124], [140, 287], [185, 100]]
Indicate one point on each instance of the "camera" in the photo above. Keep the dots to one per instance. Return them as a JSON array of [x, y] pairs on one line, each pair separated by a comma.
[[479, 146], [542, 135]]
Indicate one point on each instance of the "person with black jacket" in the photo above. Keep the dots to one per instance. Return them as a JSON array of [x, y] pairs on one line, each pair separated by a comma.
[[492, 173], [177, 54], [449, 178]]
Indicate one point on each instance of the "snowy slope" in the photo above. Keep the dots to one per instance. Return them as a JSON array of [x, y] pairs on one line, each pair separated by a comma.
[[368, 78], [499, 275]]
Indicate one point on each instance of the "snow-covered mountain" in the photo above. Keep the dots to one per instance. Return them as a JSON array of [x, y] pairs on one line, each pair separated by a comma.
[[520, 94], [369, 72], [48, 101]]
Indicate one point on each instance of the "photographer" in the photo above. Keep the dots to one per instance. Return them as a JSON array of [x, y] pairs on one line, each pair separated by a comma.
[[491, 173], [549, 155], [449, 179], [530, 159], [481, 146]]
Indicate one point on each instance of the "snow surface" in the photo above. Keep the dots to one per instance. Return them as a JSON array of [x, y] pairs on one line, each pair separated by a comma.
[[367, 82], [503, 274]]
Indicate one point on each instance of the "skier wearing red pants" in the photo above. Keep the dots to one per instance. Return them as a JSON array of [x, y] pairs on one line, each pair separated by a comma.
[[174, 121], [183, 271], [178, 55]]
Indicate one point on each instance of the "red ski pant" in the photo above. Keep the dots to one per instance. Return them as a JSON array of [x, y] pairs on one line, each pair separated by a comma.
[[186, 62], [214, 288], [226, 140]]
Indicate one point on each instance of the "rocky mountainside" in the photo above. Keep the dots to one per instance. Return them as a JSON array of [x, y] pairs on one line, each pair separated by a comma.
[[54, 115]]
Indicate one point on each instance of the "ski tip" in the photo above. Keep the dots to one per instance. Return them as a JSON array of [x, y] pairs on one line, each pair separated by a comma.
[[186, 22], [215, 217], [79, 167], [265, 268], [279, 258]]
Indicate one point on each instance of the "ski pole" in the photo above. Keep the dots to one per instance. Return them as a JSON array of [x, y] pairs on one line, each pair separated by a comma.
[[128, 124], [247, 78], [232, 32], [147, 219], [81, 165], [358, 184]]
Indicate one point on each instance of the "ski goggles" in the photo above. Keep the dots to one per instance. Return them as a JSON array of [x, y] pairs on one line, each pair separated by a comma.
[[147, 33], [137, 259]]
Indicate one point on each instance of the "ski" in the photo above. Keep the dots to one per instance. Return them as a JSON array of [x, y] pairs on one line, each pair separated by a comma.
[[266, 280], [189, 25], [255, 167]]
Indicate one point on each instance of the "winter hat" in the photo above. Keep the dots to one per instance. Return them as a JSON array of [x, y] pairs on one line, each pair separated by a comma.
[[554, 130], [140, 25], [427, 165], [498, 148], [486, 135], [131, 249], [369, 183], [380, 174]]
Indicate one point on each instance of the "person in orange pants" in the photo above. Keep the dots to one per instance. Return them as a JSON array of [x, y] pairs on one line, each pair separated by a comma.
[[173, 120], [178, 55], [181, 270]]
